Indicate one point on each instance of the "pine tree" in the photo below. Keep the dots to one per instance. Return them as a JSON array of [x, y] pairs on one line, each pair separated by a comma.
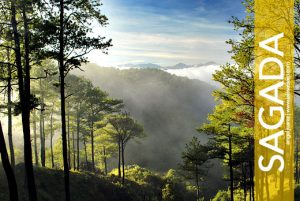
[[236, 106], [194, 158], [123, 129]]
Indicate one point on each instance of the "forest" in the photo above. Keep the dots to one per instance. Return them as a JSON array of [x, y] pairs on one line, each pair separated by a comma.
[[74, 138]]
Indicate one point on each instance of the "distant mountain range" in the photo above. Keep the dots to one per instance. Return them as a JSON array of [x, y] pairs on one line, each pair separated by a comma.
[[201, 72], [152, 65], [142, 65]]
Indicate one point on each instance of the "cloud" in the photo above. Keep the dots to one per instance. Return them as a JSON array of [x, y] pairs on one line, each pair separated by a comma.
[[161, 35], [203, 73]]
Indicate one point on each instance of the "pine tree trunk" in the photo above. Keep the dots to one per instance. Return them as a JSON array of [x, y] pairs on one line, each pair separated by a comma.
[[244, 181], [35, 139], [197, 182], [92, 143], [9, 113], [42, 139], [250, 193], [51, 138], [24, 93], [123, 163], [12, 185], [62, 96], [231, 167], [42, 125], [78, 131], [74, 154], [105, 160], [85, 152], [119, 158], [69, 146]]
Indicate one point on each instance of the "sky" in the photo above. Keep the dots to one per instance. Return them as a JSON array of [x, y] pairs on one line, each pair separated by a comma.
[[167, 32]]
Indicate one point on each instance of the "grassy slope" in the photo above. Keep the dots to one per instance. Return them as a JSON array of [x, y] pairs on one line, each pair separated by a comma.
[[84, 187]]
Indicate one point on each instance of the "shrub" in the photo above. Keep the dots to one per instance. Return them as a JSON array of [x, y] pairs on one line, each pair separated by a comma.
[[222, 196]]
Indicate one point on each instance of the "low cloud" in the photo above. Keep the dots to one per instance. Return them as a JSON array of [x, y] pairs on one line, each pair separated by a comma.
[[203, 73]]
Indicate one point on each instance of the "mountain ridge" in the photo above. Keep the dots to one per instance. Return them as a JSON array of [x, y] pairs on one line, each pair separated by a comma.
[[179, 65]]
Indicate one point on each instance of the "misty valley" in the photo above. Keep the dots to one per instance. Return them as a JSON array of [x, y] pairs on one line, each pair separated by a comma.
[[86, 116]]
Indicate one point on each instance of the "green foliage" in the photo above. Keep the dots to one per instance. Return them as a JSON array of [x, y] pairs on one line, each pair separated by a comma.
[[223, 195], [172, 176], [137, 174], [194, 157], [232, 121], [171, 186], [80, 18], [57, 153], [124, 128], [105, 148], [168, 193], [174, 188], [86, 104]]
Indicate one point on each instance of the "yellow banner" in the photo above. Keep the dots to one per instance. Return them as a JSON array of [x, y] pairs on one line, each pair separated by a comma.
[[274, 100]]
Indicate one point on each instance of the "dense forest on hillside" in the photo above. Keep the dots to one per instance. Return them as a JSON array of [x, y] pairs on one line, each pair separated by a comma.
[[75, 131], [169, 119]]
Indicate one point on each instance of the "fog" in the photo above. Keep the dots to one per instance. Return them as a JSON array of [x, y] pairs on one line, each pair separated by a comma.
[[169, 107]]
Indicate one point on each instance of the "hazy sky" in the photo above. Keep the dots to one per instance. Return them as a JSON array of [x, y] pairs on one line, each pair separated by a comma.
[[168, 31]]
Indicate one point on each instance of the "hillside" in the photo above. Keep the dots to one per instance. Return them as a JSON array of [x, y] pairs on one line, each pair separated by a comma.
[[169, 108], [85, 186], [50, 185]]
